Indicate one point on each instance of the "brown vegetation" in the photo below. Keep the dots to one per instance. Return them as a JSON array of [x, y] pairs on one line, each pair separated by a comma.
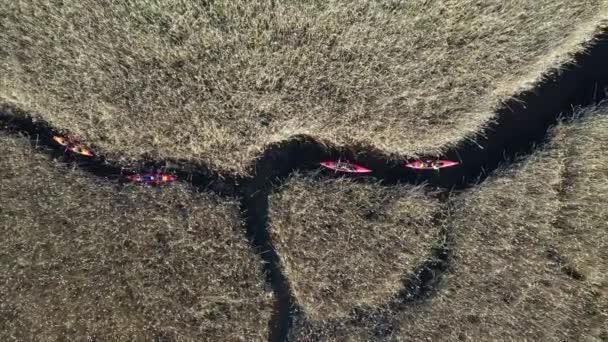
[[526, 268], [345, 244], [529, 253], [81, 260], [219, 80]]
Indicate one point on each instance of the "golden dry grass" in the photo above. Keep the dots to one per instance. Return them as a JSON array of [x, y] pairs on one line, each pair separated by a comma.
[[530, 256], [582, 221], [85, 261], [507, 284], [345, 244], [219, 80]]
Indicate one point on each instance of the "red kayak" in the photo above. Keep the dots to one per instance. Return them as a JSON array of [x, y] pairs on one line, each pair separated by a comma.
[[340, 166], [430, 164], [155, 178]]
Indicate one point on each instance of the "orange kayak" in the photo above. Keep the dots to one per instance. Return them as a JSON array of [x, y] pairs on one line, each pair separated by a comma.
[[60, 140], [72, 145]]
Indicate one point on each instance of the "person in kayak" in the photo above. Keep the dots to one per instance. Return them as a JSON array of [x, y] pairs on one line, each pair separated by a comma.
[[435, 164], [344, 166]]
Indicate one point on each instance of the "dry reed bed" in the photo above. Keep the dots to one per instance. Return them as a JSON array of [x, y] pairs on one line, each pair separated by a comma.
[[220, 80], [530, 253], [83, 260], [345, 244], [508, 283]]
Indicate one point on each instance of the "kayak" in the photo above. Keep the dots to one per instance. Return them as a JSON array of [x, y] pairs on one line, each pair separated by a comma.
[[152, 178], [72, 145], [61, 140], [79, 149], [340, 166], [430, 164], [156, 178]]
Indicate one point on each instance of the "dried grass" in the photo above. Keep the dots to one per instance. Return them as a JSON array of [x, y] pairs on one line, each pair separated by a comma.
[[345, 244], [220, 80], [531, 249], [82, 260], [529, 254]]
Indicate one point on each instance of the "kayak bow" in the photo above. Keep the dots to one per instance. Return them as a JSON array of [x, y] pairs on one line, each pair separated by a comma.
[[60, 140]]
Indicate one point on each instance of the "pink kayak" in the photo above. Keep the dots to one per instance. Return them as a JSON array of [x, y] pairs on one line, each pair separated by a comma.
[[430, 164], [340, 166]]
